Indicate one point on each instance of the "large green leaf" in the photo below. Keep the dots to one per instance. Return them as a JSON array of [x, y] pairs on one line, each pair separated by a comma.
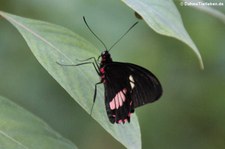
[[19, 129], [50, 44], [163, 17]]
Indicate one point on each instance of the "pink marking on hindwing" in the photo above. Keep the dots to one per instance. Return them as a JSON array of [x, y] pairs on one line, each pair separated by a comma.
[[118, 100], [120, 121], [125, 120]]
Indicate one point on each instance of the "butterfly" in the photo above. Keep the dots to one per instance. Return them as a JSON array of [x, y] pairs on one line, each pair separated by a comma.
[[127, 86]]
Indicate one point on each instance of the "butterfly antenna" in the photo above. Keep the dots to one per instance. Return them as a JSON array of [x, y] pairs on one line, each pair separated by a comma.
[[92, 109], [123, 35], [94, 33]]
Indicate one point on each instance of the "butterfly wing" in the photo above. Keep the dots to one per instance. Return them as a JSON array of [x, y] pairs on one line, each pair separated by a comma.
[[128, 86], [146, 87]]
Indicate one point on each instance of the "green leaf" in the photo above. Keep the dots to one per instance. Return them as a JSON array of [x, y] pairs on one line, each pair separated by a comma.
[[205, 8], [163, 17], [50, 44], [19, 129]]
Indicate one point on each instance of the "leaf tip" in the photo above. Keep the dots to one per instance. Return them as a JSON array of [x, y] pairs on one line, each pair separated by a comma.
[[201, 65], [200, 61]]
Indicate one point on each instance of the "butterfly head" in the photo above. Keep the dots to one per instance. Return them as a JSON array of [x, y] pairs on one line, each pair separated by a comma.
[[106, 57]]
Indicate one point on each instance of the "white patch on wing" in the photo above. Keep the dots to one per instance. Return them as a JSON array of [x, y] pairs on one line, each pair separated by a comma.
[[118, 100], [131, 81]]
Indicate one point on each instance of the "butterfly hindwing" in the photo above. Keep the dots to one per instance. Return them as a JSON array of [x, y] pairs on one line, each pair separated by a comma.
[[128, 86], [118, 100]]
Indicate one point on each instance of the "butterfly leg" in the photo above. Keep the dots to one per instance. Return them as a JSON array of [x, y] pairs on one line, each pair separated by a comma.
[[96, 66], [88, 59], [95, 93], [95, 61], [84, 63]]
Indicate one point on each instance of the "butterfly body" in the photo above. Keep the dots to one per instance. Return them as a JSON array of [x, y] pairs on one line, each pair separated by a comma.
[[127, 86]]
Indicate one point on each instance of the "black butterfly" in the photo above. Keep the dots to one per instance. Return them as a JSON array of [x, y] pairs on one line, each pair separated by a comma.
[[127, 86]]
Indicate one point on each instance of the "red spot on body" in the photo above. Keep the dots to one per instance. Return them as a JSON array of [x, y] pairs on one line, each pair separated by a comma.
[[102, 70]]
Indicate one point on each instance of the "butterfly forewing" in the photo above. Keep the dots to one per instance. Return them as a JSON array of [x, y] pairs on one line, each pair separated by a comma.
[[147, 87]]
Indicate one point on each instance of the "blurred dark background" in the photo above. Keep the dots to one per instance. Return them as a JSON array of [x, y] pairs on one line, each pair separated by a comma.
[[191, 112]]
